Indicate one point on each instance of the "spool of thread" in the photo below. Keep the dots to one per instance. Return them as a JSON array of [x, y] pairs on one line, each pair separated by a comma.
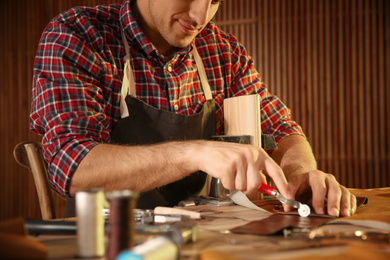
[[121, 232], [90, 223]]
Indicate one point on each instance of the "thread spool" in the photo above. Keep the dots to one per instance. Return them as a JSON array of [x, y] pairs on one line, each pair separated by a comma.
[[122, 230], [90, 223]]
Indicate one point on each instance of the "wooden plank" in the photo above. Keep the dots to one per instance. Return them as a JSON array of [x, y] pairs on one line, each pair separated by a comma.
[[242, 117]]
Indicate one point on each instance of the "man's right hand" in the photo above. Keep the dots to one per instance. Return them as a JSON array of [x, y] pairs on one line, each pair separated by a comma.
[[238, 166]]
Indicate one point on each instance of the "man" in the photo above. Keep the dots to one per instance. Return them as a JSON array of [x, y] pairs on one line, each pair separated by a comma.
[[120, 102]]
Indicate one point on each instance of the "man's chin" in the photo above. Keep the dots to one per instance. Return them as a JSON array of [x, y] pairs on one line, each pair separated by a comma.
[[181, 42]]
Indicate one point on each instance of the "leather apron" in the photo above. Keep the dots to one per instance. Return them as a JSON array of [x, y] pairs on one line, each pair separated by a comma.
[[145, 124]]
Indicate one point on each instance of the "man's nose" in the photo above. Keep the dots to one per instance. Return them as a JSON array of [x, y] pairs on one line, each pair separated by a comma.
[[199, 11]]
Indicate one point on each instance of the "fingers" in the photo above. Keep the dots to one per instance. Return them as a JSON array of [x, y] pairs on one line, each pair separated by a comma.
[[319, 191], [246, 165], [278, 177], [265, 163], [239, 167], [241, 177], [353, 204], [327, 192], [348, 203], [334, 196], [252, 188], [235, 175]]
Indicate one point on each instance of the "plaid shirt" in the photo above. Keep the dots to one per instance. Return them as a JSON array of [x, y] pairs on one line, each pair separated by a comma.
[[78, 74]]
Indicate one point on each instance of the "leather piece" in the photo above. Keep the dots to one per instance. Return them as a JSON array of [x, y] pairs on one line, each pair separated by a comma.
[[277, 222], [285, 220], [275, 206]]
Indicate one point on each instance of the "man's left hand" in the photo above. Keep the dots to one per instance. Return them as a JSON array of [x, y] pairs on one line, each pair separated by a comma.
[[323, 192]]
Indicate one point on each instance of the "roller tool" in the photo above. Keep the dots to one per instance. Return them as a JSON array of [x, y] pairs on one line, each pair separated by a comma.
[[303, 209]]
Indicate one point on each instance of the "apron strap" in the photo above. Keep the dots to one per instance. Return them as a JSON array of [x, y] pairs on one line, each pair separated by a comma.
[[202, 75], [128, 78], [128, 84]]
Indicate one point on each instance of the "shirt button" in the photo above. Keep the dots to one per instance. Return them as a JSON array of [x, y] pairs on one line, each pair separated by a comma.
[[176, 107], [170, 68]]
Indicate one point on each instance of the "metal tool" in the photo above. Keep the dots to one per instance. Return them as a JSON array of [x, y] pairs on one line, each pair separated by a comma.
[[36, 227], [144, 223], [303, 209]]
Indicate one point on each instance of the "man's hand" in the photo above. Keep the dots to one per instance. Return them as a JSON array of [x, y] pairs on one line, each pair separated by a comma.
[[323, 191], [307, 183], [239, 166]]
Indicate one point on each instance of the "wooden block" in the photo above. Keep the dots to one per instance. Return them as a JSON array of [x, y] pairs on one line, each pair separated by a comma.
[[242, 117]]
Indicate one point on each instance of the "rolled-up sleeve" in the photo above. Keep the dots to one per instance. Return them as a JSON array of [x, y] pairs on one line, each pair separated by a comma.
[[70, 108]]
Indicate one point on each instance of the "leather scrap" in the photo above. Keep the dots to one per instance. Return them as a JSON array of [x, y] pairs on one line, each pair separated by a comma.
[[277, 222], [275, 206], [285, 220]]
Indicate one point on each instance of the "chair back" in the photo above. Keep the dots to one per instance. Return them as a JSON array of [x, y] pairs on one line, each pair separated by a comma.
[[29, 155]]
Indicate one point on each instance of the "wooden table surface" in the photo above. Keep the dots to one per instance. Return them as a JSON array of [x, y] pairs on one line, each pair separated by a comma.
[[214, 244]]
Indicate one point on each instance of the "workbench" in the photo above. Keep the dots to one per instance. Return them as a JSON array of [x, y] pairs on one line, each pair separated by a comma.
[[217, 239]]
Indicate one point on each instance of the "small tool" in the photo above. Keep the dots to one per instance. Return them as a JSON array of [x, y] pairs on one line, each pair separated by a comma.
[[303, 209]]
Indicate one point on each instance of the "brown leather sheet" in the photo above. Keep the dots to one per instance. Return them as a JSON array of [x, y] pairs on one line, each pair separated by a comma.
[[279, 221]]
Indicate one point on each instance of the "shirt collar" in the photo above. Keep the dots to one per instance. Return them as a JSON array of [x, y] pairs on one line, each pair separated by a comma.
[[137, 39]]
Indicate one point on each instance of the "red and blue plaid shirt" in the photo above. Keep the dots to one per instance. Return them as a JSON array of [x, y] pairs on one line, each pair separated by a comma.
[[78, 74]]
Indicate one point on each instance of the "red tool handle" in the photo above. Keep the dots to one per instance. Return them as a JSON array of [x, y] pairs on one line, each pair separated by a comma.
[[266, 188]]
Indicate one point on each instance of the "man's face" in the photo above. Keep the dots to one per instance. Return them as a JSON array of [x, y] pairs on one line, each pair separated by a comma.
[[175, 23]]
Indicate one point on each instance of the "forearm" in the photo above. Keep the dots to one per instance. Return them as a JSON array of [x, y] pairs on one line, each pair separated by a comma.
[[294, 155], [139, 168], [142, 168]]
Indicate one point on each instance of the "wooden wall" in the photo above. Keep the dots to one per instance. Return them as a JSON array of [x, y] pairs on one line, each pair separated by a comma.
[[328, 60], [21, 25]]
